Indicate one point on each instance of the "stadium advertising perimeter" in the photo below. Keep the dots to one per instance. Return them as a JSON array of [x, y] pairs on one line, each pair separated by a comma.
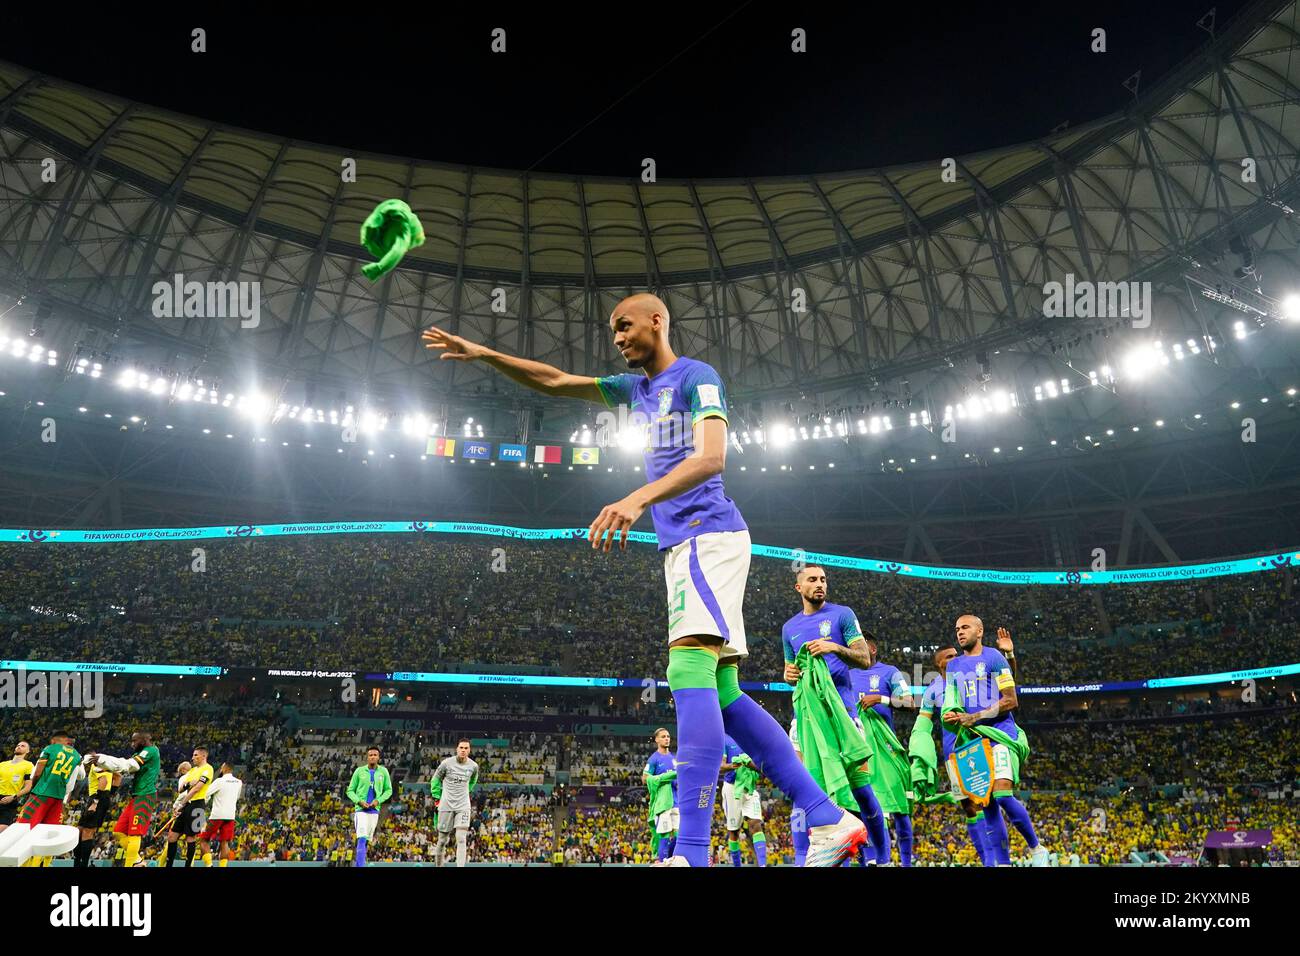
[[548, 680], [1062, 576]]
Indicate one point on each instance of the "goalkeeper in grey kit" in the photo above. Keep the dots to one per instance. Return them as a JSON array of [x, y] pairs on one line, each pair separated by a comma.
[[456, 778]]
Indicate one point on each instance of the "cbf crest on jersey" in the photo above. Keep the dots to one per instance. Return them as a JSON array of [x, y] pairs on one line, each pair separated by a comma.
[[875, 682], [665, 401], [979, 669], [824, 628]]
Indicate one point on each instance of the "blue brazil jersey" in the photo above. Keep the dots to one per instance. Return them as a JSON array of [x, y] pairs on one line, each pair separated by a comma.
[[834, 623], [669, 406], [976, 682], [662, 763], [884, 679]]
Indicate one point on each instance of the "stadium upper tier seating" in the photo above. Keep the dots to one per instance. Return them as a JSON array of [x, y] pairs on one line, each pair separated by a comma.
[[425, 602]]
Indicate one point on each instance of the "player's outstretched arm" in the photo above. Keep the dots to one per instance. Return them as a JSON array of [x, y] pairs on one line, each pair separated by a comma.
[[116, 764], [538, 376]]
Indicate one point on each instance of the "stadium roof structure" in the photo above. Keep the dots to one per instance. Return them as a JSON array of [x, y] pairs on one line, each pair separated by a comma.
[[902, 270], [919, 284]]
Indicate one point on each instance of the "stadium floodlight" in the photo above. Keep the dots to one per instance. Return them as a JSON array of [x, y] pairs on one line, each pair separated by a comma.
[[840, 429], [974, 409], [925, 417], [1000, 402], [803, 433], [633, 438], [96, 370], [1065, 386], [1140, 360], [1160, 423], [875, 425], [126, 378], [1291, 307], [1239, 329], [1050, 388]]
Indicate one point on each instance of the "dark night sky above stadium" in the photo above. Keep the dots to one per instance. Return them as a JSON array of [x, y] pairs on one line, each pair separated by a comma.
[[707, 90]]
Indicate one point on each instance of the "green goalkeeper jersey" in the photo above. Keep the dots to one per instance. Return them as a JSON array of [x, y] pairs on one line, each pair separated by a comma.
[[60, 761], [145, 783]]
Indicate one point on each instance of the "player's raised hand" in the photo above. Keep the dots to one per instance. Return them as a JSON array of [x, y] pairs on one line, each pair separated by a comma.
[[451, 346], [614, 521], [1004, 643]]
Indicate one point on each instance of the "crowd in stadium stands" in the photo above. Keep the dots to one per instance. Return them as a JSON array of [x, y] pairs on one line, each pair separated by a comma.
[[1125, 781], [429, 602]]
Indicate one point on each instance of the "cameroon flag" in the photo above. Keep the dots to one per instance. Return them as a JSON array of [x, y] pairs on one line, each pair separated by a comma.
[[442, 447]]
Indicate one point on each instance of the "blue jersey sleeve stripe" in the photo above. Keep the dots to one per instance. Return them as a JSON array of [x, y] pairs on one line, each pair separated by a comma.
[[603, 385]]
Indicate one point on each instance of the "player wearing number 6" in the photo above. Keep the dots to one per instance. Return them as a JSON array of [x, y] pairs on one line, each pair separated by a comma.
[[146, 764]]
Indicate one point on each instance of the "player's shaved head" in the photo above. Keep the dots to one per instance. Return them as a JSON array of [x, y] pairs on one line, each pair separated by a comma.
[[640, 326], [970, 632], [641, 304]]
